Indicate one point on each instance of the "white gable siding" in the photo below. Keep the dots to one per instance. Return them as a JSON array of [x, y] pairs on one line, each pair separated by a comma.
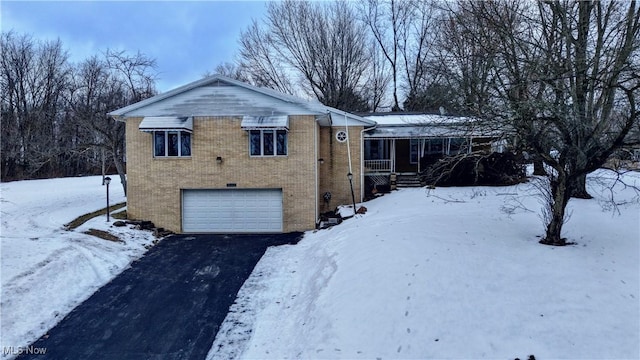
[[220, 96], [221, 100]]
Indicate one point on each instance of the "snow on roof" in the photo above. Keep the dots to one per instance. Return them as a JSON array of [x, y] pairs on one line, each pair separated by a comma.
[[395, 125], [435, 131], [265, 122], [394, 119], [154, 123], [220, 95]]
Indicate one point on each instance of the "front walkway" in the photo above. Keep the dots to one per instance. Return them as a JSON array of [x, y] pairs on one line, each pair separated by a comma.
[[168, 305]]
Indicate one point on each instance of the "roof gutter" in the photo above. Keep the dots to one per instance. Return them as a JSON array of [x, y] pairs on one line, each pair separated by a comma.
[[118, 117]]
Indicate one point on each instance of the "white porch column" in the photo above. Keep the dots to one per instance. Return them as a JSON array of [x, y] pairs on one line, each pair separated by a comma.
[[393, 155], [421, 145]]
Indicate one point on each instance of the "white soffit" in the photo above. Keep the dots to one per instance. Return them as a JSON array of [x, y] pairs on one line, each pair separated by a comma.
[[164, 123]]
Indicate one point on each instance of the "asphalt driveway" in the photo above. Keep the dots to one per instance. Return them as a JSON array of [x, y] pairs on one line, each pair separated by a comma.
[[168, 305]]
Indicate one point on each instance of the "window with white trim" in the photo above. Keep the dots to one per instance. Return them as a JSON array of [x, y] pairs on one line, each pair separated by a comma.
[[268, 142], [171, 143]]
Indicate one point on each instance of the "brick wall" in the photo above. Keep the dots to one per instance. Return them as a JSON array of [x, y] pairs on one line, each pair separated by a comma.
[[154, 184], [333, 172]]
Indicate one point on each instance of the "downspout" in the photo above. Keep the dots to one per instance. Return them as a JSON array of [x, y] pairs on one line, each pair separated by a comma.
[[316, 165], [346, 128], [362, 159], [330, 160]]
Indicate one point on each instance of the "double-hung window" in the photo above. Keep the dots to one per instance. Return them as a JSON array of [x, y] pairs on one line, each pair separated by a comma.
[[171, 143], [268, 142]]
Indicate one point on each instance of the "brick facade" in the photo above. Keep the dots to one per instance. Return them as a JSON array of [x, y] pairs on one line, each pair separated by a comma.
[[334, 170], [155, 184]]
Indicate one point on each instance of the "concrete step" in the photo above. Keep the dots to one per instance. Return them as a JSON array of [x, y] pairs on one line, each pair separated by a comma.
[[408, 185], [408, 181]]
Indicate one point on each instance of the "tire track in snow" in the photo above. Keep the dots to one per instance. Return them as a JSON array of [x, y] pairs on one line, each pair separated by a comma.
[[37, 267]]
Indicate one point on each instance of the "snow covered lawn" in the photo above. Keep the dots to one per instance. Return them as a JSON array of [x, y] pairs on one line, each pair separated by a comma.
[[47, 271], [448, 273]]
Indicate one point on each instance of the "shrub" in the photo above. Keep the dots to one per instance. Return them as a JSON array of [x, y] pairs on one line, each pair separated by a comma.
[[474, 169]]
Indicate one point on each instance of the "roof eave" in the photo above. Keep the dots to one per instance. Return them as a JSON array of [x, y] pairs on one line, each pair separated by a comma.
[[333, 111]]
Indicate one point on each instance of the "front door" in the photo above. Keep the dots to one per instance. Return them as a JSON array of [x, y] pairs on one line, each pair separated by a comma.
[[406, 156]]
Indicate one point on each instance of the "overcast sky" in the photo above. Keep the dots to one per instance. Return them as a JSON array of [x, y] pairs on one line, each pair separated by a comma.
[[187, 38]]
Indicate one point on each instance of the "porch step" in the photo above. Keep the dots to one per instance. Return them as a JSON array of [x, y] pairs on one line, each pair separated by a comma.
[[408, 181]]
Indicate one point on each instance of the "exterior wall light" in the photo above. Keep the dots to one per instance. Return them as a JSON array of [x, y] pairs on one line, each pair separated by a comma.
[[321, 161], [219, 160]]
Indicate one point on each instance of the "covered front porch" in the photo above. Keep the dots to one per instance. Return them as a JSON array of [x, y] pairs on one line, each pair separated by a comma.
[[407, 156]]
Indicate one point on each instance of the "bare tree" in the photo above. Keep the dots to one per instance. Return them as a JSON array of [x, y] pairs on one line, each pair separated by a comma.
[[404, 31], [467, 65], [102, 84], [325, 44], [388, 23], [54, 119], [417, 43], [136, 72], [260, 61], [320, 46], [567, 77], [378, 78], [231, 70], [34, 76]]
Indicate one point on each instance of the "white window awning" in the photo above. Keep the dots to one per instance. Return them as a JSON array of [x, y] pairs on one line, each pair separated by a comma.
[[265, 122], [166, 123]]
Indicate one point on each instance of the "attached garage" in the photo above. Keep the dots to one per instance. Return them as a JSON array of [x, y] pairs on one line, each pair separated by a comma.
[[232, 211]]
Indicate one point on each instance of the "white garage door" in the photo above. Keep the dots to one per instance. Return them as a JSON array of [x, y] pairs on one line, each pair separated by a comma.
[[232, 211]]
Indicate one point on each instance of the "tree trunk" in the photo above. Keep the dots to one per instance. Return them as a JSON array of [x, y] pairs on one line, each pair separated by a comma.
[[579, 188], [104, 164], [560, 192], [538, 168], [117, 160]]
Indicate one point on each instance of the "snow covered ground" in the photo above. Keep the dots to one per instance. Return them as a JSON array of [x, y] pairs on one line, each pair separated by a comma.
[[47, 271], [445, 273], [449, 273]]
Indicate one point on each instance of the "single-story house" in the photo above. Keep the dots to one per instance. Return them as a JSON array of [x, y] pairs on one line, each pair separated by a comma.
[[400, 143], [221, 156]]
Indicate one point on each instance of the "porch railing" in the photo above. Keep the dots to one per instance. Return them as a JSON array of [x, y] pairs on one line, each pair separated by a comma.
[[377, 165]]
